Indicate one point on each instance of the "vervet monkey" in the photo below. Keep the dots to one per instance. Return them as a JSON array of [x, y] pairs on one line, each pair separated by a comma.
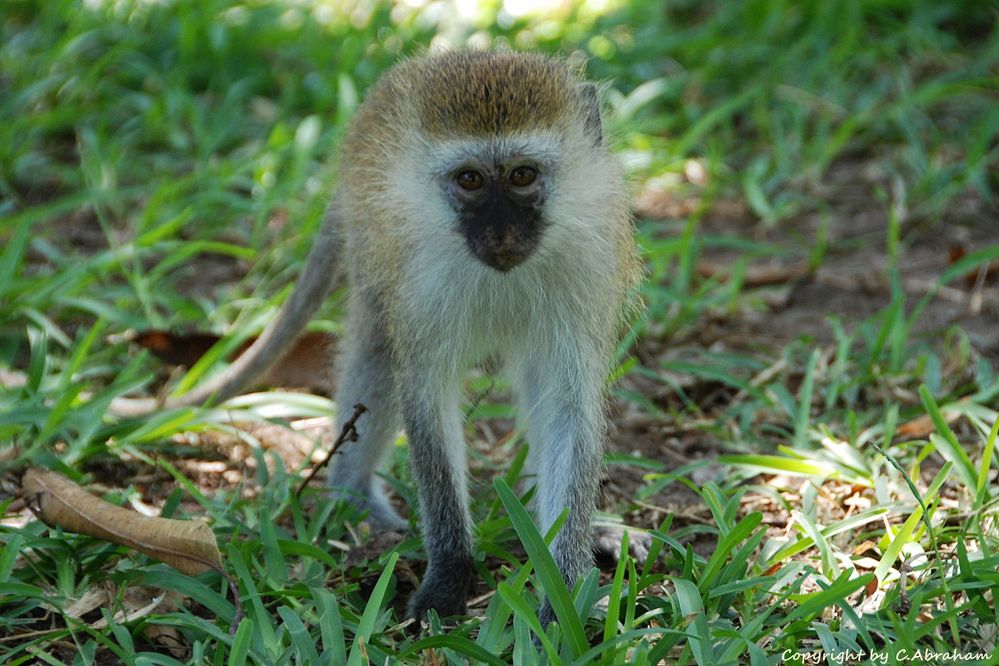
[[478, 214]]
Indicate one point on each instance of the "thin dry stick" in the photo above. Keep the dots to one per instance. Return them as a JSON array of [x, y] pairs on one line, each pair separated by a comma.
[[347, 434], [238, 616]]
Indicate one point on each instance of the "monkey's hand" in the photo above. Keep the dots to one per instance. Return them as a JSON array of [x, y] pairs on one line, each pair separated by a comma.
[[607, 545]]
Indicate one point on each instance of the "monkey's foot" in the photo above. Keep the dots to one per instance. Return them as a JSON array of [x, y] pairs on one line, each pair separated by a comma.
[[607, 544], [381, 517], [385, 519], [445, 590]]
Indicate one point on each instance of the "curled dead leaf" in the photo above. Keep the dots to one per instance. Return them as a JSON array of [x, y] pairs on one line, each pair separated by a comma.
[[187, 545]]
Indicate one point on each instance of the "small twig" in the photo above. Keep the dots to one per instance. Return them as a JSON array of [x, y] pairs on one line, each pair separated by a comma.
[[347, 434], [238, 617], [904, 567], [30, 634]]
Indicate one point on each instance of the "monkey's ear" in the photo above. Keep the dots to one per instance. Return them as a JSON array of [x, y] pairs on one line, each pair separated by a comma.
[[591, 108]]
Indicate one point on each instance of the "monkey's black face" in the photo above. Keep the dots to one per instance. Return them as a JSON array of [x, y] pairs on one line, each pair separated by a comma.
[[499, 209]]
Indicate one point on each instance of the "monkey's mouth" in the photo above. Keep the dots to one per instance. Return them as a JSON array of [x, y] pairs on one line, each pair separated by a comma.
[[502, 261], [502, 252]]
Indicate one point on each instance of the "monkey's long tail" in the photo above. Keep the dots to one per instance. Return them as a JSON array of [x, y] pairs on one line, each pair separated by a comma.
[[311, 288]]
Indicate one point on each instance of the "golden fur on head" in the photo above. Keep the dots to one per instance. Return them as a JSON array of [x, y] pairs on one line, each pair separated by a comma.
[[429, 114], [472, 92], [475, 93]]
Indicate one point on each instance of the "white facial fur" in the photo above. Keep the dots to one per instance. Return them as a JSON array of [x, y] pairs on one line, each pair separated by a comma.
[[464, 308]]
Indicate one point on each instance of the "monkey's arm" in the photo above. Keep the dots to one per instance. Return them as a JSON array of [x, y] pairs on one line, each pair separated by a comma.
[[310, 290]]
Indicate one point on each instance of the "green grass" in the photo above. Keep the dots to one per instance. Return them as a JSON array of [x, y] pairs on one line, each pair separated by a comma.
[[164, 165]]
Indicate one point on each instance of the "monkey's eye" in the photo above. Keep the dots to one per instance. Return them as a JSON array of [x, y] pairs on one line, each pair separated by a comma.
[[470, 180], [523, 176]]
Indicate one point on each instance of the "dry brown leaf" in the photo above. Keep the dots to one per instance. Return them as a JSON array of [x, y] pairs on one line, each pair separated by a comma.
[[139, 602], [917, 428], [921, 426], [161, 635], [136, 604], [305, 365], [169, 638], [93, 598], [187, 545], [176, 348], [971, 278]]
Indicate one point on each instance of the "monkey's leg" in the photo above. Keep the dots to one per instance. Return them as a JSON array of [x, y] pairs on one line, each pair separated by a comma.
[[529, 472], [437, 458], [566, 429], [365, 376]]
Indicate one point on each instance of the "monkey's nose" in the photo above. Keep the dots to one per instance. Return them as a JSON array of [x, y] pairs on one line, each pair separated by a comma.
[[502, 246]]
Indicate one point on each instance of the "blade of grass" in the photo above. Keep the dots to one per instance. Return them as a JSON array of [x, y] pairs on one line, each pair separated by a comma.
[[523, 612], [366, 626], [459, 644], [946, 443], [725, 545], [544, 564], [840, 589], [856, 520], [240, 643], [303, 643], [614, 597], [904, 534], [985, 467], [778, 465], [330, 625], [801, 418]]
